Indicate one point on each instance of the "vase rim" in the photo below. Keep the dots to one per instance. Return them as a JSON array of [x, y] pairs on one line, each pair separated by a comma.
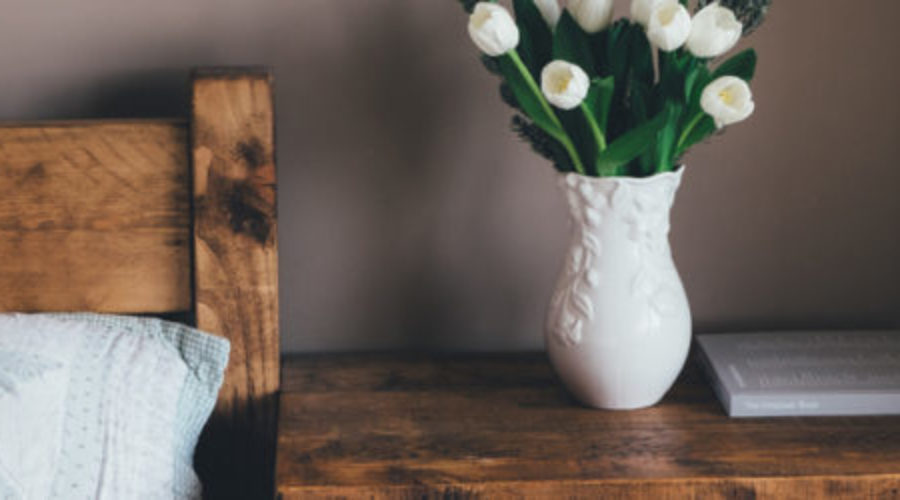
[[677, 173]]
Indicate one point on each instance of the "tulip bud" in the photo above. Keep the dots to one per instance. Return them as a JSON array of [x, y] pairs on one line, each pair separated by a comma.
[[728, 100], [669, 25], [564, 84], [714, 31], [642, 9], [549, 11], [592, 15], [493, 29]]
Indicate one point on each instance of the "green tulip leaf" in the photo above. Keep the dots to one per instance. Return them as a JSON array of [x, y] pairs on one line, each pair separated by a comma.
[[633, 143], [704, 128], [638, 100], [577, 128], [620, 37], [742, 65], [697, 76], [570, 43], [665, 140], [617, 43], [602, 45], [676, 71], [599, 99], [535, 37], [641, 58]]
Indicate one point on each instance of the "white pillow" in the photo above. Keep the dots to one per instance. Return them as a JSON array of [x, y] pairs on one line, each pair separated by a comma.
[[105, 407]]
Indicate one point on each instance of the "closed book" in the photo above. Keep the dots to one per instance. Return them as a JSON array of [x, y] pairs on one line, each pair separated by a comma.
[[818, 373]]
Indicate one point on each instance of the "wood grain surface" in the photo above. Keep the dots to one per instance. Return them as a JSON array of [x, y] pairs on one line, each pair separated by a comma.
[[236, 276], [95, 216], [502, 427]]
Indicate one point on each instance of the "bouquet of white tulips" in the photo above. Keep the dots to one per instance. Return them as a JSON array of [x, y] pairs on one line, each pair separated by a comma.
[[619, 98]]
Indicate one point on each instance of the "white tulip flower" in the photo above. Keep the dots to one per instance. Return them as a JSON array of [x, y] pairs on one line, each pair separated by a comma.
[[592, 15], [550, 11], [714, 31], [669, 25], [642, 9], [492, 29], [565, 85], [728, 100]]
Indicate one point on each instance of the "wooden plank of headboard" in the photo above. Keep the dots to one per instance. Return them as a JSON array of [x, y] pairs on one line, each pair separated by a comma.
[[236, 275], [95, 216]]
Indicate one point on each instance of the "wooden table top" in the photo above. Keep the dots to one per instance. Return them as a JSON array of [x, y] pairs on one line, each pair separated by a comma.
[[501, 426]]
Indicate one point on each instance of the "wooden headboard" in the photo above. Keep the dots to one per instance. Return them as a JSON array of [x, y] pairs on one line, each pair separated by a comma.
[[162, 217]]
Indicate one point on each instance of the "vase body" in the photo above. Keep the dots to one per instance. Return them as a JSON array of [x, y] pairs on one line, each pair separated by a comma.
[[619, 325]]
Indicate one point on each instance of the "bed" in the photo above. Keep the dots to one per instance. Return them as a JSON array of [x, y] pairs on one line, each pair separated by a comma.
[[171, 218]]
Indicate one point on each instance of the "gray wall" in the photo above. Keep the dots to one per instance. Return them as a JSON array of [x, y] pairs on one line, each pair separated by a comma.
[[412, 218]]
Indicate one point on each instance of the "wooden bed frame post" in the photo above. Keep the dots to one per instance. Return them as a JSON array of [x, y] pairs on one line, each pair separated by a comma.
[[236, 274], [162, 217]]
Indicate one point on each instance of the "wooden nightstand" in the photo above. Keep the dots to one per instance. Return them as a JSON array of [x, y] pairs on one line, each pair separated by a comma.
[[501, 426]]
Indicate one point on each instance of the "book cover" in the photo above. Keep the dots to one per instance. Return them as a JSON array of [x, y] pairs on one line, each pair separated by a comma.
[[804, 373]]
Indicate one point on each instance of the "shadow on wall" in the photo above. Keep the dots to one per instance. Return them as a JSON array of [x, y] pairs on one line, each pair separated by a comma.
[[150, 90], [154, 93], [158, 93]]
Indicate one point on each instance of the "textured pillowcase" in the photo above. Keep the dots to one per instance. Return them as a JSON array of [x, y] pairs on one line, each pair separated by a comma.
[[98, 406]]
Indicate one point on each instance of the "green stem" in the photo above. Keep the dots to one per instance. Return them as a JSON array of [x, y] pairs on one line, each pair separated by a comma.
[[687, 130], [559, 136], [595, 127], [533, 86]]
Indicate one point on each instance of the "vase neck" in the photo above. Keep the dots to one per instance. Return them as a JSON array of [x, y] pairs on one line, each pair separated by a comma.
[[645, 202]]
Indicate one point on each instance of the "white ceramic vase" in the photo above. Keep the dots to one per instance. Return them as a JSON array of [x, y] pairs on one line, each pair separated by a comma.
[[619, 325]]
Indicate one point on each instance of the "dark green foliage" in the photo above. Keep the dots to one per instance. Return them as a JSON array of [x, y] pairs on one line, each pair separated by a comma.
[[641, 56], [625, 55], [751, 13], [492, 64], [571, 44], [541, 143], [507, 96], [535, 38], [468, 5]]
